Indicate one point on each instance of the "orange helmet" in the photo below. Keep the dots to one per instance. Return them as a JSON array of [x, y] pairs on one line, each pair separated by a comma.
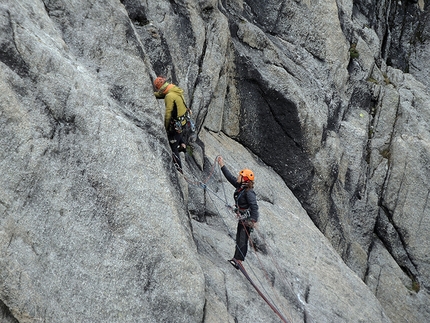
[[158, 83], [247, 174]]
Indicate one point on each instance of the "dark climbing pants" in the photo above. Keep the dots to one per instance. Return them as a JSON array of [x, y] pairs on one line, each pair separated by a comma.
[[242, 236], [175, 141]]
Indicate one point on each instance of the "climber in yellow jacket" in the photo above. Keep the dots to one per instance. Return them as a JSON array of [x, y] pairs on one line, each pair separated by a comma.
[[175, 117]]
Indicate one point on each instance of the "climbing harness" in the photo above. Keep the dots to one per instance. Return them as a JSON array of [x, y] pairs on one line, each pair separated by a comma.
[[184, 121], [241, 214], [181, 122], [179, 127]]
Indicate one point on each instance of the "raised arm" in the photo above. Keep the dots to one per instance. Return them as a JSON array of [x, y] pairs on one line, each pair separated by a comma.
[[226, 173]]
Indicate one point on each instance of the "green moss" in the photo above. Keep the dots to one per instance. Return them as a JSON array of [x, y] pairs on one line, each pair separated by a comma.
[[353, 52], [386, 79], [372, 80], [370, 133], [189, 150], [416, 286], [386, 153]]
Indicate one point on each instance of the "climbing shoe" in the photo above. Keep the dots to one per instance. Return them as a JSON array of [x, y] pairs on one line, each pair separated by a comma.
[[235, 263]]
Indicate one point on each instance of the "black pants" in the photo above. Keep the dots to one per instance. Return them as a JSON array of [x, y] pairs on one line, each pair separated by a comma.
[[242, 236], [175, 141]]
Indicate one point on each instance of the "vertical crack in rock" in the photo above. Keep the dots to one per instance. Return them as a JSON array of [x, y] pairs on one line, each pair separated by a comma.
[[9, 52], [278, 17], [202, 111], [204, 310], [385, 228], [393, 241], [423, 215], [151, 42]]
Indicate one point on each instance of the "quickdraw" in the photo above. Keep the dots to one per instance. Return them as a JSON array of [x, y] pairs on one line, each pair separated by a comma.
[[242, 214]]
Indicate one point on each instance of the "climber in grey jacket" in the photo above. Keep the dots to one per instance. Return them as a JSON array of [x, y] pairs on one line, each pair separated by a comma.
[[246, 209]]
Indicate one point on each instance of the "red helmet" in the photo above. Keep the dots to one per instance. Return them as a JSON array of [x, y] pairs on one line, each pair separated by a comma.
[[158, 83], [247, 174]]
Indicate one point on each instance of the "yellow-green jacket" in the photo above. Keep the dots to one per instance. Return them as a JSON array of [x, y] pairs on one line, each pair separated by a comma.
[[175, 104]]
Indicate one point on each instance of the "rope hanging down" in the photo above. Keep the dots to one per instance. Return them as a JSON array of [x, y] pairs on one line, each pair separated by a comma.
[[242, 269], [203, 185]]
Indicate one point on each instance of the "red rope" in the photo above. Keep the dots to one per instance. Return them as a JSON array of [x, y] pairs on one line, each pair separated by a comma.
[[244, 272], [258, 258]]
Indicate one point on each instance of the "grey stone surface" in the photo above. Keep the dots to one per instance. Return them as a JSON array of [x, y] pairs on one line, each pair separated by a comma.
[[327, 101]]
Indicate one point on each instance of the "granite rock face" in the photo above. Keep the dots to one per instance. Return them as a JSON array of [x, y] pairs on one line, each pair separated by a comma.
[[327, 101]]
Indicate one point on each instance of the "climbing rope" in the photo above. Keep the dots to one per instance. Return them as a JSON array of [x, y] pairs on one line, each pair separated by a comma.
[[263, 267]]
